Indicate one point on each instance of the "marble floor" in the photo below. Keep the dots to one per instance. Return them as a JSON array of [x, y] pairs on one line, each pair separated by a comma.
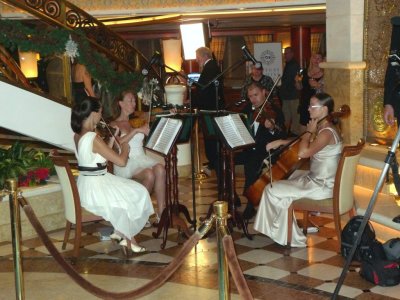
[[271, 271]]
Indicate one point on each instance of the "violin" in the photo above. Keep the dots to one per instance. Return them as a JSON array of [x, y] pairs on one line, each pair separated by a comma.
[[284, 161], [264, 112], [107, 132]]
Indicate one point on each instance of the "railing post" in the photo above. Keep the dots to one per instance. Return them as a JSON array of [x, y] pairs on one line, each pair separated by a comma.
[[15, 221], [221, 212]]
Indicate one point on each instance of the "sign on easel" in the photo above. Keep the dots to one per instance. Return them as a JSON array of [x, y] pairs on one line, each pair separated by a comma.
[[270, 55]]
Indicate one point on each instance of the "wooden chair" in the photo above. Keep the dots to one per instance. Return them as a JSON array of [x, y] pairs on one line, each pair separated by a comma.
[[342, 201], [74, 214]]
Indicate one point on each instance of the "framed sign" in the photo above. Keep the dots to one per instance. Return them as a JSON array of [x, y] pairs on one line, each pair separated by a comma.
[[270, 55]]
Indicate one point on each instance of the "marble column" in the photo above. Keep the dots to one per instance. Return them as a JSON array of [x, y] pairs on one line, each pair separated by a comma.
[[344, 67], [300, 41]]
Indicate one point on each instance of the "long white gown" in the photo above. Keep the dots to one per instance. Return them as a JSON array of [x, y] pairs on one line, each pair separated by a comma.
[[125, 203], [317, 183], [138, 160]]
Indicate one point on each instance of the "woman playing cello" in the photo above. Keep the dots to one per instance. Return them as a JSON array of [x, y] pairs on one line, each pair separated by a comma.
[[322, 144]]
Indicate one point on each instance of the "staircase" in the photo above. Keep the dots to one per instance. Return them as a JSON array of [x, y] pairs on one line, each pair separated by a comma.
[[31, 116]]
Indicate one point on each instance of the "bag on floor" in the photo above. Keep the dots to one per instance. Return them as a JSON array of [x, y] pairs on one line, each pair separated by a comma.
[[349, 235], [381, 272], [392, 249]]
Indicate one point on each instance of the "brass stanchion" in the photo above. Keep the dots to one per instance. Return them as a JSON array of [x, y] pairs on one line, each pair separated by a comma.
[[15, 220], [199, 175], [221, 211]]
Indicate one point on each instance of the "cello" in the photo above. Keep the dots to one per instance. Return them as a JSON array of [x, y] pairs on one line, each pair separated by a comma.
[[286, 162]]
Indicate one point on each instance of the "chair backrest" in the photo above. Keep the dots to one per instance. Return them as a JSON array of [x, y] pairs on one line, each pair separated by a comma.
[[72, 202], [343, 199]]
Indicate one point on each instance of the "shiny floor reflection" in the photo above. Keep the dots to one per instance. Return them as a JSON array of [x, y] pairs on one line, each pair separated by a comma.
[[271, 271]]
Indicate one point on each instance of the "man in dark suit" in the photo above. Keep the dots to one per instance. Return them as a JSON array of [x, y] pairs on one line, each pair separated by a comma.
[[206, 97], [391, 98], [268, 128]]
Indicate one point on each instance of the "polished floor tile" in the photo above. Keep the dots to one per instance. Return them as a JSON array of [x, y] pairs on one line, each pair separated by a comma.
[[272, 271]]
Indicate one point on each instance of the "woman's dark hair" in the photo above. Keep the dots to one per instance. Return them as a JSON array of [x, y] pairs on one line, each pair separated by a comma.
[[326, 100], [82, 110]]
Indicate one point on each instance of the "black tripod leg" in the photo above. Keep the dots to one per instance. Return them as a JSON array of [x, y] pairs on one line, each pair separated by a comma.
[[367, 214]]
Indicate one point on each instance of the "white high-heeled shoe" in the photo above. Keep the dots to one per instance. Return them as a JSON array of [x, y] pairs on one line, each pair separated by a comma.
[[134, 248], [115, 237]]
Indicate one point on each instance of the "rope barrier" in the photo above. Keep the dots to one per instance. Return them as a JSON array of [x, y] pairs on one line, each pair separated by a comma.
[[161, 278], [235, 269], [82, 282]]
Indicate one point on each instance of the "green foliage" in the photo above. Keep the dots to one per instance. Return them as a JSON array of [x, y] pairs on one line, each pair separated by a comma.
[[16, 161], [51, 41]]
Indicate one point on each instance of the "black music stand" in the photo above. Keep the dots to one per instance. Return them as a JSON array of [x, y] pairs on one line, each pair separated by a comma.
[[170, 216]]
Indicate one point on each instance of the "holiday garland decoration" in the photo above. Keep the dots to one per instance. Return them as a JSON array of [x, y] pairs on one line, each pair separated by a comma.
[[59, 41]]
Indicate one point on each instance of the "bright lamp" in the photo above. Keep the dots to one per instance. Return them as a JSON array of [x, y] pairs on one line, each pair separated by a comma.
[[192, 38], [28, 63]]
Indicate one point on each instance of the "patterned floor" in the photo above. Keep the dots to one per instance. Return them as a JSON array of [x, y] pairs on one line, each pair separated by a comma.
[[271, 271]]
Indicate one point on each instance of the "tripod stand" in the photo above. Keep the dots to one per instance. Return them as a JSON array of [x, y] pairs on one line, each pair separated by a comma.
[[388, 160]]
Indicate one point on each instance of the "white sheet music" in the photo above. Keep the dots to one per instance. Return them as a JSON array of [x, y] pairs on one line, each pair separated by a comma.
[[234, 130], [164, 135]]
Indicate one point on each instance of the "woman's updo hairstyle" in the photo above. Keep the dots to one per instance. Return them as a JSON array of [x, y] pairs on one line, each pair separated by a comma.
[[326, 100], [81, 111]]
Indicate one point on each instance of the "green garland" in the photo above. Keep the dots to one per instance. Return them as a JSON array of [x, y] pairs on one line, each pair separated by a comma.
[[51, 41]]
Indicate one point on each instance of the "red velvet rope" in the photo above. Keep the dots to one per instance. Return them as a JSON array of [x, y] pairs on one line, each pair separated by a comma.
[[158, 281], [235, 269]]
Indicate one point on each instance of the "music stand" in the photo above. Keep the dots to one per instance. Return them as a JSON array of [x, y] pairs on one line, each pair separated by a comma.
[[162, 140], [190, 81], [170, 215]]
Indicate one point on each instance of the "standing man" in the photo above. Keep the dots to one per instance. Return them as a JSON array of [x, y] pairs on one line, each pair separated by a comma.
[[288, 92], [256, 75], [206, 97]]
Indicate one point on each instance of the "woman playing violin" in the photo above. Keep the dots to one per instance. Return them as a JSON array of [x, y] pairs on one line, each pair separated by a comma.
[[140, 166], [124, 203], [267, 128], [323, 145]]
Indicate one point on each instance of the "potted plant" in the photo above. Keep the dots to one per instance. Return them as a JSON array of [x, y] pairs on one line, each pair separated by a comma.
[[30, 167]]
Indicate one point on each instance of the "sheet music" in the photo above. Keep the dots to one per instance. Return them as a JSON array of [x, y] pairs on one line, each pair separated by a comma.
[[164, 135], [234, 131]]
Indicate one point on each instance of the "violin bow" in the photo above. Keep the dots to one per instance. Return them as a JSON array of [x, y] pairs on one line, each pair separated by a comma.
[[110, 132], [151, 103], [266, 100]]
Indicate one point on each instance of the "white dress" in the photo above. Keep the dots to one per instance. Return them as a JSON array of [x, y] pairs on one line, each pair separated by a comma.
[[317, 183], [125, 203], [138, 160]]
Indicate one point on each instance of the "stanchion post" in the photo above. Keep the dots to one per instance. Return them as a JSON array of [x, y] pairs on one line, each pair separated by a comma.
[[221, 212], [16, 238]]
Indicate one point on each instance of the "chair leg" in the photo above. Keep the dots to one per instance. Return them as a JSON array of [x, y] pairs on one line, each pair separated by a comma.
[[305, 222], [66, 235], [338, 226], [290, 225], [77, 240]]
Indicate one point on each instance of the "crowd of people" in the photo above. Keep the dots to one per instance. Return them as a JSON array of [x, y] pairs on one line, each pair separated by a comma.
[[298, 108]]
